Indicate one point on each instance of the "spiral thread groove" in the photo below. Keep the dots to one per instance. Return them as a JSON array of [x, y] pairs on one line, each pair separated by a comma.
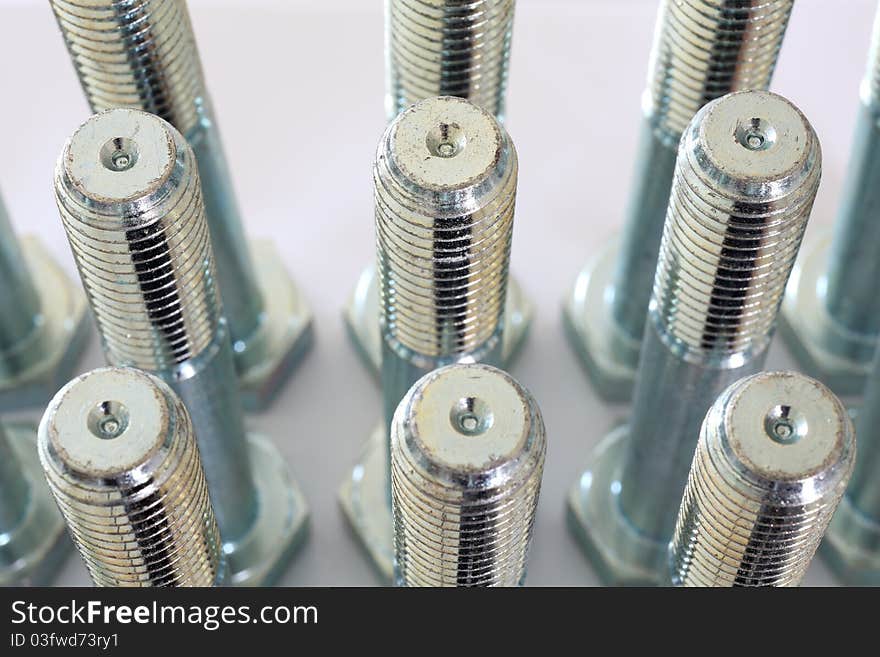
[[145, 261], [732, 231], [457, 526], [448, 48], [135, 53], [443, 254], [740, 524], [142, 524], [704, 49]]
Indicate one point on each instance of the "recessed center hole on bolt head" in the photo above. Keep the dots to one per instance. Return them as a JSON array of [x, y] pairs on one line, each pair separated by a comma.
[[785, 425], [119, 154], [471, 416], [108, 420], [755, 135], [446, 140]]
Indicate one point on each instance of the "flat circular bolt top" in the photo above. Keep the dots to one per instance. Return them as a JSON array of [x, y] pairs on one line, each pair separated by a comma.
[[467, 456], [785, 427], [467, 421], [775, 453], [446, 144], [119, 155], [110, 422], [755, 142], [119, 453]]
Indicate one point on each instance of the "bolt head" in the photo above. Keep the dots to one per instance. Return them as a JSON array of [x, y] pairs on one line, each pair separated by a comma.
[[808, 330], [266, 361], [67, 326], [609, 356], [619, 555]]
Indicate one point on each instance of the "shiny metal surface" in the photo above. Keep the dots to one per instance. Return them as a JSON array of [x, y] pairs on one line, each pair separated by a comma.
[[774, 456], [447, 48], [33, 538], [831, 313], [702, 50], [120, 456], [142, 54], [467, 455], [747, 173], [445, 189], [128, 191], [42, 321]]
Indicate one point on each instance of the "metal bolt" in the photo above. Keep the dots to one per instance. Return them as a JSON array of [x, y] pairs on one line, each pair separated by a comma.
[[141, 244], [33, 538], [445, 189], [142, 54], [119, 453], [748, 169], [467, 455], [43, 323], [447, 48], [774, 456], [702, 50], [852, 545], [441, 48], [831, 317]]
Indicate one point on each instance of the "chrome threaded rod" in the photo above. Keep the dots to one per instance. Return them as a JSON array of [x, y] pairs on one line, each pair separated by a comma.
[[702, 50], [747, 173], [142, 54], [774, 456], [119, 453], [467, 456], [445, 190], [127, 188], [447, 48]]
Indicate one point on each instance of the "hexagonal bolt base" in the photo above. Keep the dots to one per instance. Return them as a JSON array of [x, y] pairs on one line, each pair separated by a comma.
[[35, 551], [851, 547], [361, 316], [67, 324], [803, 318], [281, 525], [364, 499], [618, 553], [609, 356], [285, 337]]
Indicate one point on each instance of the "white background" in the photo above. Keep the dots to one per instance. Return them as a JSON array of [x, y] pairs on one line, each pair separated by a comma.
[[298, 87]]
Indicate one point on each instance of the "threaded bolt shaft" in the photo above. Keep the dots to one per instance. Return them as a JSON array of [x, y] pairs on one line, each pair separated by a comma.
[[468, 449], [142, 54], [445, 190], [120, 456], [447, 48], [127, 189], [737, 213], [774, 456]]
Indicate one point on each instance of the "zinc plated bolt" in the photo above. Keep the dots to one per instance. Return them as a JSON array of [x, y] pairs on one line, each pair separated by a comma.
[[142, 54], [703, 49], [33, 538], [445, 188], [467, 456], [774, 456], [119, 452], [748, 169], [852, 545], [441, 48], [831, 313], [43, 321], [127, 188]]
